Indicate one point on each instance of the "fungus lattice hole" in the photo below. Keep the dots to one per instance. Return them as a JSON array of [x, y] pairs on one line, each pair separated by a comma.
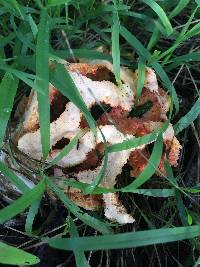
[[102, 74], [98, 110], [139, 111], [57, 107], [61, 143]]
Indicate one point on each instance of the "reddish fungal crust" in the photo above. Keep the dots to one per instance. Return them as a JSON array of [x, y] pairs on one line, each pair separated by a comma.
[[138, 161], [91, 202]]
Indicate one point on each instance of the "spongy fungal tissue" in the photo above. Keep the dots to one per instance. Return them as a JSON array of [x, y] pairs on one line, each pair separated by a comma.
[[96, 84]]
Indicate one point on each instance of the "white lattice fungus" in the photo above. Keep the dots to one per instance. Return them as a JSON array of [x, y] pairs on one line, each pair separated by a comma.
[[65, 126], [93, 92]]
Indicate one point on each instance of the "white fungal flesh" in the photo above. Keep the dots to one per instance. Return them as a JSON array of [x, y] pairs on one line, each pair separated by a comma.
[[115, 211], [104, 91], [65, 126]]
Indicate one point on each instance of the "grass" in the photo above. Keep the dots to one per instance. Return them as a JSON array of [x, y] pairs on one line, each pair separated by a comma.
[[163, 35]]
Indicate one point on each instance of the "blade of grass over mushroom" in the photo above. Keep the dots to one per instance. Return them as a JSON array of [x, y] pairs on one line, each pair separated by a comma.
[[42, 71], [146, 192], [179, 7], [15, 256], [186, 120], [80, 258], [61, 79], [65, 150], [141, 76], [150, 168], [139, 141], [142, 51], [8, 89], [90, 188], [115, 45], [167, 83], [126, 240], [161, 14], [100, 190], [22, 203], [13, 178], [83, 216]]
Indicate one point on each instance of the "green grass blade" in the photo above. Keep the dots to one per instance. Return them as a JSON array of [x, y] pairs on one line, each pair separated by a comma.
[[177, 61], [161, 14], [61, 79], [167, 83], [65, 150], [126, 240], [33, 210], [102, 172], [42, 71], [141, 76], [22, 203], [139, 141], [8, 89], [186, 120], [80, 258], [146, 192], [150, 169], [32, 24], [180, 6], [58, 2], [86, 218], [15, 256], [115, 46], [13, 178]]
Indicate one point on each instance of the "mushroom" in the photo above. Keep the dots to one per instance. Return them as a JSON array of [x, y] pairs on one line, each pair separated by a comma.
[[95, 83]]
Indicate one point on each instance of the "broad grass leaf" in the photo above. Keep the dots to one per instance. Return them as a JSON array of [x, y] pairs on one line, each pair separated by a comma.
[[15, 256], [126, 240]]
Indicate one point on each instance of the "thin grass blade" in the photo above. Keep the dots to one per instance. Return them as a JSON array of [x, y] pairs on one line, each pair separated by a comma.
[[13, 178], [115, 46], [186, 120], [42, 71], [8, 89], [161, 14], [22, 203], [151, 167]]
